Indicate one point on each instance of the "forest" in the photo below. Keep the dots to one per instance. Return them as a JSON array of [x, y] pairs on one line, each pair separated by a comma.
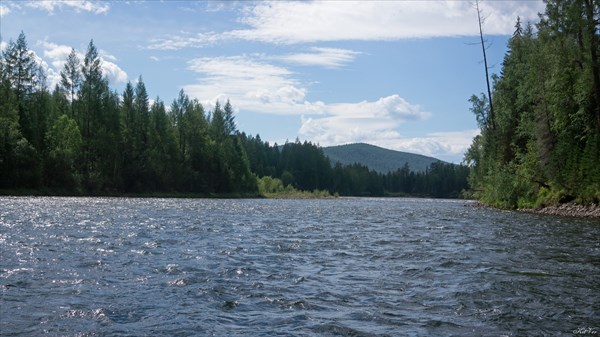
[[540, 131], [83, 138]]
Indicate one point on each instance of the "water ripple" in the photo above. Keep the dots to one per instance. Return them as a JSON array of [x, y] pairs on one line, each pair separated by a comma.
[[344, 267]]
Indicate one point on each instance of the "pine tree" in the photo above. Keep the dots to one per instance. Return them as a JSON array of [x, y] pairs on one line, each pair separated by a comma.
[[70, 78], [21, 69], [23, 73], [230, 127], [91, 89]]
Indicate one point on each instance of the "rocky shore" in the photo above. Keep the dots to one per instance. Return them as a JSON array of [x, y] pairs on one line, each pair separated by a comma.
[[574, 210], [568, 209]]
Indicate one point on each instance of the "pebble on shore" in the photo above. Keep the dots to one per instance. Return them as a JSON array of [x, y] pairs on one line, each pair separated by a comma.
[[569, 209], [574, 210]]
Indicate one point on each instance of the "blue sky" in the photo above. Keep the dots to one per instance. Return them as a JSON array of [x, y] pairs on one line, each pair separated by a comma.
[[396, 74]]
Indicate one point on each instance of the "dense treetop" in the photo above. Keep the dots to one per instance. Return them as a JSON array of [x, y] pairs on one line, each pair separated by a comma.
[[542, 144]]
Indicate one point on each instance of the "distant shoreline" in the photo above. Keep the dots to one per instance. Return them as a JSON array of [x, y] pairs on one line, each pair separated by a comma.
[[114, 194]]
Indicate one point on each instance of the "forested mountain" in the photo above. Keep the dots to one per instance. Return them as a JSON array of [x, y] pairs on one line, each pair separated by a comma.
[[377, 158], [84, 138], [540, 137]]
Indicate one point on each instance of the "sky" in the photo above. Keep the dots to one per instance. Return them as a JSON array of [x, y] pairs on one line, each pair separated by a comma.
[[397, 74]]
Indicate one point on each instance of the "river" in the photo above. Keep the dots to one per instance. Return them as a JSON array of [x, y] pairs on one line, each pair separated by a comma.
[[335, 267]]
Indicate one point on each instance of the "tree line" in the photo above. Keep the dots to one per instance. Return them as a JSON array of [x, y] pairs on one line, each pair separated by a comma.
[[83, 137], [304, 166], [541, 143]]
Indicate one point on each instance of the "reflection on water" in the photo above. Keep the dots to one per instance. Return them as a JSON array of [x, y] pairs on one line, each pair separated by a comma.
[[347, 267]]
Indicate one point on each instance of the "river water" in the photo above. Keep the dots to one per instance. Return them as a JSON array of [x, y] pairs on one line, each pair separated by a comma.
[[339, 267]]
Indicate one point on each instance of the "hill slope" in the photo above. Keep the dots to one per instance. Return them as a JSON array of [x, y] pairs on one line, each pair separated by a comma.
[[377, 158]]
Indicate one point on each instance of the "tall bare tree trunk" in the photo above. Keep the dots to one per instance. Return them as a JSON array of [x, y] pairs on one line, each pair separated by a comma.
[[492, 121]]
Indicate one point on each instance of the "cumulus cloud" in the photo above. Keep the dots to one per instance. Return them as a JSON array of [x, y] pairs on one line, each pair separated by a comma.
[[290, 22], [57, 55], [252, 83], [390, 107], [52, 77], [449, 146], [96, 7], [259, 86], [255, 85], [4, 11], [113, 72], [365, 121]]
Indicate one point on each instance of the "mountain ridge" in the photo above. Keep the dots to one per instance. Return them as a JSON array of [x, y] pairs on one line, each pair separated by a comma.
[[377, 158]]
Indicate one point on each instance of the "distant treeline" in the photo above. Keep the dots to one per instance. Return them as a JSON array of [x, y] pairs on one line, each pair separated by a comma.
[[540, 137], [84, 138], [305, 167]]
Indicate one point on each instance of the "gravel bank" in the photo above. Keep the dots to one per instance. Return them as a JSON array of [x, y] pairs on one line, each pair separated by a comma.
[[574, 210]]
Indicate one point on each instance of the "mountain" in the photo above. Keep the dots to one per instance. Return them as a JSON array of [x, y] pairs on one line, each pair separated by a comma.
[[377, 158]]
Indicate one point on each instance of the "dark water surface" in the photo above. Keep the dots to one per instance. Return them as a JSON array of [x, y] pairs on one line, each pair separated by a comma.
[[342, 267]]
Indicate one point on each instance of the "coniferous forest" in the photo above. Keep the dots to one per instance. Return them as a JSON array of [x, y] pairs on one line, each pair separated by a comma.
[[83, 138], [540, 136]]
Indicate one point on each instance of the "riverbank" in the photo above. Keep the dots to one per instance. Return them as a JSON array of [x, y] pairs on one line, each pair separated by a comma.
[[116, 194], [568, 209]]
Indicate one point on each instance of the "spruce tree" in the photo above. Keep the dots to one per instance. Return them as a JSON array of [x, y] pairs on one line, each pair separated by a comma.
[[70, 78]]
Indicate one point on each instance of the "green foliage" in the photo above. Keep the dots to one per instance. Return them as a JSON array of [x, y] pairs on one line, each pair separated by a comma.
[[274, 188], [20, 69], [544, 147], [85, 138], [70, 77], [304, 166], [64, 145]]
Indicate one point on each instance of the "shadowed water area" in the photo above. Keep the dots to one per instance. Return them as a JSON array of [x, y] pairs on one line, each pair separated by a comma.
[[340, 267]]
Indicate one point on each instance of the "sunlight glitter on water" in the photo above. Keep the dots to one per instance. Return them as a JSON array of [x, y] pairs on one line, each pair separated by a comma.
[[378, 267]]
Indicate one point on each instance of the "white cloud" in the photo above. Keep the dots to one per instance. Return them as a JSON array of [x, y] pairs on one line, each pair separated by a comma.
[[370, 122], [97, 7], [114, 73], [186, 41], [3, 46], [324, 57], [252, 84], [297, 22], [255, 85], [289, 22], [106, 55], [4, 11], [249, 82], [391, 107], [449, 146], [57, 55], [52, 76]]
